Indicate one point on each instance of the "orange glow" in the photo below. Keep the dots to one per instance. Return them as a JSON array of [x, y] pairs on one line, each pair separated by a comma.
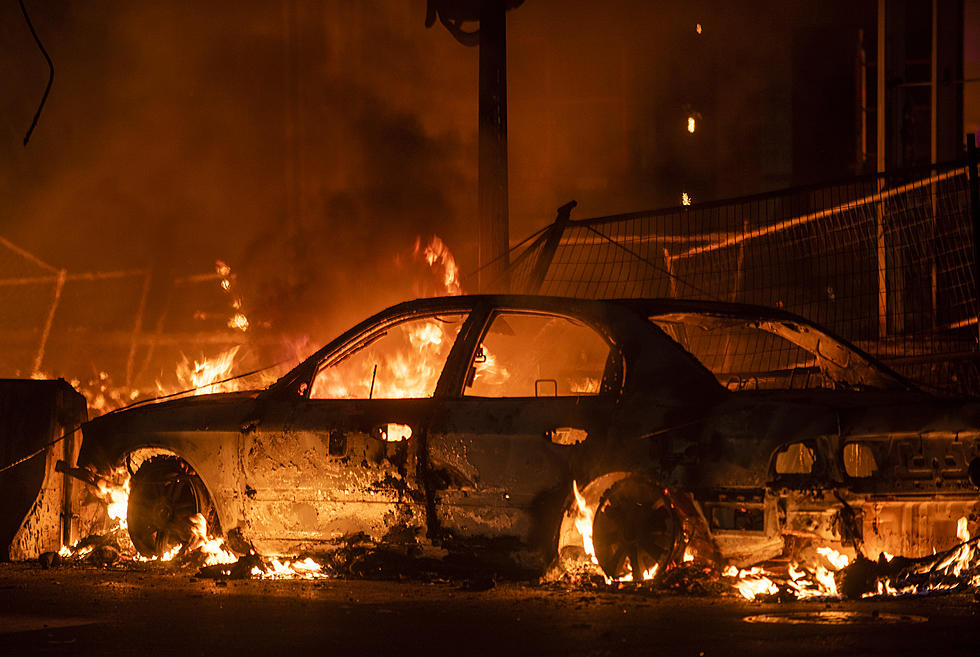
[[691, 124], [238, 321], [686, 199], [395, 433], [584, 517], [437, 254], [203, 376]]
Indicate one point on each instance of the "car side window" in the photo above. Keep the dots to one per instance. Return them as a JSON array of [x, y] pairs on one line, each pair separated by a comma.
[[402, 360], [537, 355]]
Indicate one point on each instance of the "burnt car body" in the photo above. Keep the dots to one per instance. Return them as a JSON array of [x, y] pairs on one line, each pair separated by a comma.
[[500, 422]]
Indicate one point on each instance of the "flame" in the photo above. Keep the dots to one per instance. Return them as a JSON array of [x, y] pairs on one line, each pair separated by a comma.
[[698, 28], [691, 125], [213, 548], [584, 517], [685, 198], [116, 497], [302, 569], [204, 375], [436, 252], [583, 523], [406, 371], [802, 581], [837, 560], [238, 321], [751, 583]]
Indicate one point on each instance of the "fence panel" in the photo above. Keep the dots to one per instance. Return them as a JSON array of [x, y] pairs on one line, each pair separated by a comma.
[[883, 261]]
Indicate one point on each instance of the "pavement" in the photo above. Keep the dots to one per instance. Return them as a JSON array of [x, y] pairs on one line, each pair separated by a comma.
[[82, 610]]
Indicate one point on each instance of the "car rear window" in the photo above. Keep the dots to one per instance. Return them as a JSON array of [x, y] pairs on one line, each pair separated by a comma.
[[747, 358]]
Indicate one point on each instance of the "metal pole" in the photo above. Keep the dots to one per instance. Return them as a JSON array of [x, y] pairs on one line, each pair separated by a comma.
[[879, 210], [494, 242], [551, 243], [933, 154], [971, 150]]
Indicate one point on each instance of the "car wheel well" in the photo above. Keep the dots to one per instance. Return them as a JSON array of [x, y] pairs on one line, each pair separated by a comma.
[[165, 492]]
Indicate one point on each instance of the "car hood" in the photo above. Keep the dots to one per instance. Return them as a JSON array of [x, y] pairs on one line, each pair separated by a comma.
[[106, 436]]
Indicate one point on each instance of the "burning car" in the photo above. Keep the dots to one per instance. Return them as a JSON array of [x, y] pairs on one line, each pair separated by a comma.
[[620, 435]]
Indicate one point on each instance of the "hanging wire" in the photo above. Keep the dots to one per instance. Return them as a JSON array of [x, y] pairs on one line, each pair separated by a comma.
[[47, 89]]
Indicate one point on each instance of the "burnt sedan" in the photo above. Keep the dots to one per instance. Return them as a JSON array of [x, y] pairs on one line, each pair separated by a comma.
[[560, 432]]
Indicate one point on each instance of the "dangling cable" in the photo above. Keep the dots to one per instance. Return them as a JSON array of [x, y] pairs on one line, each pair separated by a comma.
[[44, 52]]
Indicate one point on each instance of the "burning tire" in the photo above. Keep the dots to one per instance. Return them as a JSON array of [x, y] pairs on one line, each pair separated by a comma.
[[636, 530], [164, 494]]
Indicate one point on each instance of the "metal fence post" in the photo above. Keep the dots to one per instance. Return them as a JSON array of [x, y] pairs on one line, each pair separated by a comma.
[[971, 169], [555, 232]]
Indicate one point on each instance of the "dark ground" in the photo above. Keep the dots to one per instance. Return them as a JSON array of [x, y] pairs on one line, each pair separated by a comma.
[[87, 611]]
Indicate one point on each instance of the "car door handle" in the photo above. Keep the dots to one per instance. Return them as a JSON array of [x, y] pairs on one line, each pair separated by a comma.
[[392, 432], [567, 435]]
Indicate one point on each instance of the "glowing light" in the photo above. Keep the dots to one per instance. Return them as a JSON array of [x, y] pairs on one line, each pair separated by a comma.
[[691, 124], [436, 252], [239, 321], [204, 375], [583, 523], [698, 28], [686, 199], [395, 433]]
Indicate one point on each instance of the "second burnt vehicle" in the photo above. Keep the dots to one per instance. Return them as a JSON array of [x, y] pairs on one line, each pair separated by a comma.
[[497, 423]]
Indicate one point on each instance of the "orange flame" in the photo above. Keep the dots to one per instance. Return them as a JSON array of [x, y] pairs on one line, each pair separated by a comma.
[[204, 376], [437, 253]]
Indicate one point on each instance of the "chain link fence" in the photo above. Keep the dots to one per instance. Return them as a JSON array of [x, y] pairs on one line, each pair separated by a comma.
[[886, 262]]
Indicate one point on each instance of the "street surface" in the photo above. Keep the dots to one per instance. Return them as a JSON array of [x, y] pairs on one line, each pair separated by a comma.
[[88, 611]]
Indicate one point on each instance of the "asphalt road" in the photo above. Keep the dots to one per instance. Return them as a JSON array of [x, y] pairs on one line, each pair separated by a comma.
[[89, 611]]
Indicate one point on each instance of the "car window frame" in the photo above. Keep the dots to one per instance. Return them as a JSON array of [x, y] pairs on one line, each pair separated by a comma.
[[369, 336], [288, 386], [611, 385]]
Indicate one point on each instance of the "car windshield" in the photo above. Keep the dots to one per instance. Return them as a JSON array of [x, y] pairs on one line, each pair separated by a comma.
[[763, 354]]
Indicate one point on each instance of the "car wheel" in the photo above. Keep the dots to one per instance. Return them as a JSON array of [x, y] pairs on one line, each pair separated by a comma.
[[164, 494], [635, 530]]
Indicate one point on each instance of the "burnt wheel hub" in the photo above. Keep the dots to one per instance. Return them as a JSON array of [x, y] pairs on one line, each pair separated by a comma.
[[635, 529]]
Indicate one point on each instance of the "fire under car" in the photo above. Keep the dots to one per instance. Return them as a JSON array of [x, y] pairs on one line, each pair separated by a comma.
[[561, 432]]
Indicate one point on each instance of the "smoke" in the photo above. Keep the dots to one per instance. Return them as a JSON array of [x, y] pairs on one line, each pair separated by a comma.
[[306, 144]]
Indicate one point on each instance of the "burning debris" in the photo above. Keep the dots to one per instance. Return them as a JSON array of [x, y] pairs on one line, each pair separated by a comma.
[[822, 573], [209, 554]]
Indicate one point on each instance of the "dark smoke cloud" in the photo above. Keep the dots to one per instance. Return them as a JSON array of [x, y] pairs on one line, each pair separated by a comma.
[[306, 144]]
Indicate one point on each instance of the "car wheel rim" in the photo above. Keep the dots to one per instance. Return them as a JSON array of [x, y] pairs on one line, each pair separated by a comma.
[[163, 498], [635, 529]]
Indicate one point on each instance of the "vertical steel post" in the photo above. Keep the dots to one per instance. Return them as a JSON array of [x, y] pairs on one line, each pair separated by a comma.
[[494, 243], [879, 210], [552, 240], [933, 156], [971, 150]]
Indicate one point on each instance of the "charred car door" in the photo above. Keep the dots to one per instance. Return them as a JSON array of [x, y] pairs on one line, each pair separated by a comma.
[[340, 459], [538, 386]]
